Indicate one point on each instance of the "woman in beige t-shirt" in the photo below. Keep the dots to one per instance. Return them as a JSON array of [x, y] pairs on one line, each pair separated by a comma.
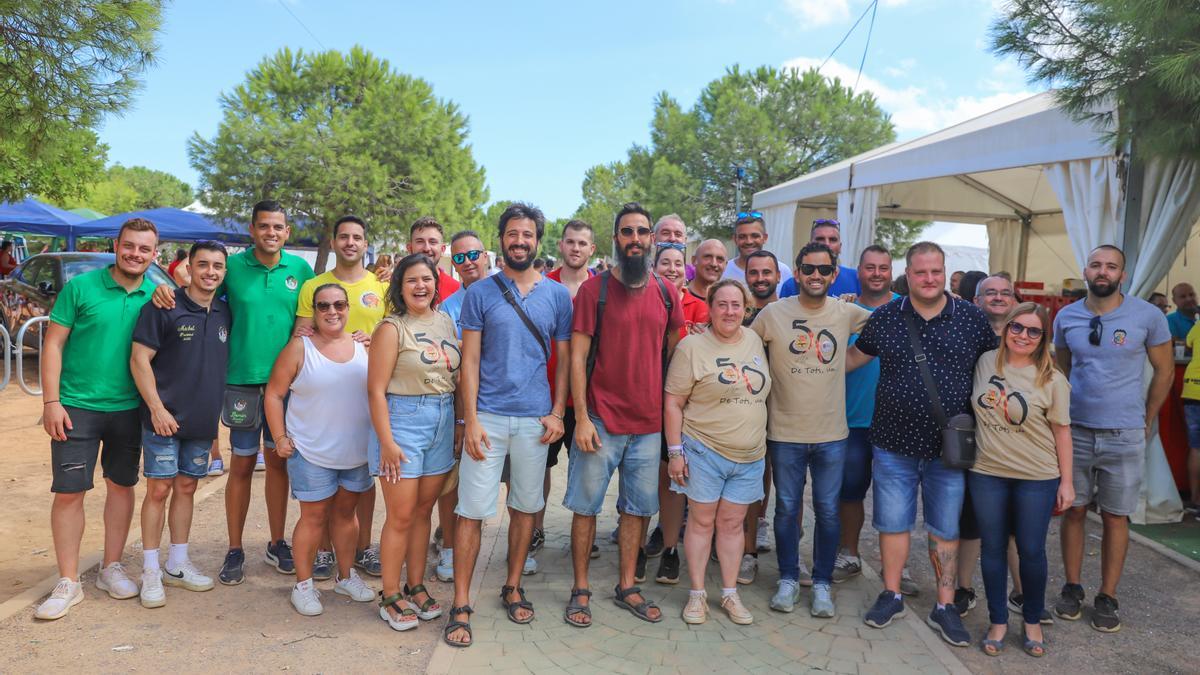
[[1022, 412], [715, 414], [412, 375]]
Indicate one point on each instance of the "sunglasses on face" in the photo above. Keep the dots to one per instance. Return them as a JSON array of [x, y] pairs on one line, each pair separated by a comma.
[[671, 244], [823, 270], [628, 231], [1096, 330], [339, 305], [460, 258], [1033, 332]]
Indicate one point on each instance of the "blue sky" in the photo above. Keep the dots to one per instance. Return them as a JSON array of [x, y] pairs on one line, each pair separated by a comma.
[[552, 88]]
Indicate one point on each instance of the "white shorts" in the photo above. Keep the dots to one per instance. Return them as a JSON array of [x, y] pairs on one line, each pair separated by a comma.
[[519, 439]]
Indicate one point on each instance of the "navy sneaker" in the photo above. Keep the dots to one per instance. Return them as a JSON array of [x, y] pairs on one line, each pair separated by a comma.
[[887, 607], [964, 600], [231, 572], [323, 565], [949, 625], [279, 556], [654, 547]]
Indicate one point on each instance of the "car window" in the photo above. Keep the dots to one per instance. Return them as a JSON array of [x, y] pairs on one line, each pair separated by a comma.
[[75, 266], [37, 270], [159, 276]]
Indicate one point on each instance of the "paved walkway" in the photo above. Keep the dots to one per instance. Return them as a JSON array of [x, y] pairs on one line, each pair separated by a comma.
[[620, 643]]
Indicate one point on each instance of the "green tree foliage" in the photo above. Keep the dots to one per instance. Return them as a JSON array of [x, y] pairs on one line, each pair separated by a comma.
[[63, 66], [897, 235], [778, 124], [133, 189], [1142, 55], [332, 133]]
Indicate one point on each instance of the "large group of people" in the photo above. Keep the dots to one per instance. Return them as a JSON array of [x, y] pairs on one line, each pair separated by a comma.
[[700, 383]]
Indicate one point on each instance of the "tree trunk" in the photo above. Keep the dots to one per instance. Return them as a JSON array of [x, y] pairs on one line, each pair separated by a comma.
[[322, 253]]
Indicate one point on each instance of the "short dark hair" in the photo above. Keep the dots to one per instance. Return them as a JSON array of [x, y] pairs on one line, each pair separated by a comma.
[[180, 254], [750, 218], [395, 295], [1110, 247], [579, 226], [539, 263], [629, 208], [923, 247], [519, 210], [968, 286], [137, 225], [206, 246], [1157, 294], [425, 222], [268, 205], [873, 248], [463, 234], [762, 253], [816, 247], [349, 219]]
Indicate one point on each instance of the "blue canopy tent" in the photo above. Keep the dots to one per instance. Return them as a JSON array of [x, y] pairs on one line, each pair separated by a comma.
[[30, 216], [173, 225]]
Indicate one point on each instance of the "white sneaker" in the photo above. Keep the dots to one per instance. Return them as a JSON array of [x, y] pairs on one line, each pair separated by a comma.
[[354, 587], [805, 575], [445, 566], [65, 595], [531, 566], [152, 593], [763, 539], [187, 576], [116, 583], [748, 569], [786, 596], [260, 464], [307, 599], [822, 602]]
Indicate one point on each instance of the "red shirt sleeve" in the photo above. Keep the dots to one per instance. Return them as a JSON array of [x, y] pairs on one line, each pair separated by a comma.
[[583, 319]]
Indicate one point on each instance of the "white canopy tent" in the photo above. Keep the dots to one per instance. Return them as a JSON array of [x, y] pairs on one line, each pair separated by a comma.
[[1048, 188]]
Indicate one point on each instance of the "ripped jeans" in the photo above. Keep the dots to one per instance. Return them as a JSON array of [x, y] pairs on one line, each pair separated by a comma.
[[73, 461]]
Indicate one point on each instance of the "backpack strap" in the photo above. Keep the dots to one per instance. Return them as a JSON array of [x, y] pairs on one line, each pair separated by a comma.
[[666, 296], [595, 345]]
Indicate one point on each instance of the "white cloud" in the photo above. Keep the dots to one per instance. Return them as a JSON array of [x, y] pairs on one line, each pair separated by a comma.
[[915, 110], [819, 12]]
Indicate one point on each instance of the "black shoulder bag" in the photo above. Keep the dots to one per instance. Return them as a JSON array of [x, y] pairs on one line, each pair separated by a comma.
[[242, 406], [958, 432], [595, 345], [521, 313]]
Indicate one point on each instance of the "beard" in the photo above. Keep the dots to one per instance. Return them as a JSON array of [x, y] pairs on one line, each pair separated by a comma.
[[634, 268], [762, 292], [1101, 291], [518, 265]]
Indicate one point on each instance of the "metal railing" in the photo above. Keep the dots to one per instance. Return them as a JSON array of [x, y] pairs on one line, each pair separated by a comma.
[[20, 340], [6, 345]]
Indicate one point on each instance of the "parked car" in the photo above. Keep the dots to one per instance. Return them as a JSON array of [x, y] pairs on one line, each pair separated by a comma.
[[31, 289]]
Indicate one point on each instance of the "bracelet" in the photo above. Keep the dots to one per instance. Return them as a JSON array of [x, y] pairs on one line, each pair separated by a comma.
[[460, 422], [674, 451], [283, 437], [560, 417], [49, 402]]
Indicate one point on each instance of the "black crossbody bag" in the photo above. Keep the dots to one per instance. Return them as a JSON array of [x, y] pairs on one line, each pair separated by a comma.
[[521, 313], [958, 432], [241, 406]]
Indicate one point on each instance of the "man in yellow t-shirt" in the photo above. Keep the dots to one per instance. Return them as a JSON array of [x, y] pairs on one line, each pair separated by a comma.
[[1191, 415], [368, 304]]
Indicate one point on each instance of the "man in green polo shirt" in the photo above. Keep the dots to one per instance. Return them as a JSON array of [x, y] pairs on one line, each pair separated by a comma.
[[262, 289], [90, 401]]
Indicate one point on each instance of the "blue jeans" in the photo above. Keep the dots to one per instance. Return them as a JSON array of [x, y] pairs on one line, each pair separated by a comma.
[[1022, 507], [856, 476], [790, 464], [896, 480]]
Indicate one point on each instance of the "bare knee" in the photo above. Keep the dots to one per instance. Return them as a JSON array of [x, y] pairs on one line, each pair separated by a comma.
[[185, 485], [158, 490], [1076, 514]]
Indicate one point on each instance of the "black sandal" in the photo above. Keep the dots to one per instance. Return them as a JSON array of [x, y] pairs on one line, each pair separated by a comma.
[[573, 607], [512, 607], [423, 611], [640, 610], [453, 625]]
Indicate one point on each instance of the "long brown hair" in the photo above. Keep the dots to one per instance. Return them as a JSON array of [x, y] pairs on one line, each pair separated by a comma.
[[1041, 354]]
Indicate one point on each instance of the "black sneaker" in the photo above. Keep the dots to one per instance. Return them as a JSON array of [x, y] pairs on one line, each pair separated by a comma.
[[654, 547], [1016, 602], [964, 600], [887, 607], [595, 551], [231, 572], [279, 556], [323, 565], [949, 625], [1104, 614], [639, 572], [538, 540], [1070, 602], [668, 567]]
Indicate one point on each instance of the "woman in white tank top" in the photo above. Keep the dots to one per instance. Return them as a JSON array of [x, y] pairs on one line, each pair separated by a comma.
[[323, 435]]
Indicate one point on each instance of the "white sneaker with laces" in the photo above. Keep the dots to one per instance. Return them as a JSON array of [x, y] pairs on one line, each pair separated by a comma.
[[531, 566], [65, 595], [748, 569], [187, 576], [805, 575], [114, 581], [786, 596], [307, 599], [354, 587], [260, 464], [152, 594], [762, 540]]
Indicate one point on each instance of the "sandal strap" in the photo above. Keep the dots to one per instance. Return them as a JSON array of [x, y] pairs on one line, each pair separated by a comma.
[[390, 600], [465, 609], [580, 592], [626, 592], [419, 588]]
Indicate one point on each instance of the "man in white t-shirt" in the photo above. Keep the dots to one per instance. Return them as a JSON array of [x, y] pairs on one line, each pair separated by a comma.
[[749, 236]]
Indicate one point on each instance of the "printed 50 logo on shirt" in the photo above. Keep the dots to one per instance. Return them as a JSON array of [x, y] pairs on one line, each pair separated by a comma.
[[822, 344], [753, 378]]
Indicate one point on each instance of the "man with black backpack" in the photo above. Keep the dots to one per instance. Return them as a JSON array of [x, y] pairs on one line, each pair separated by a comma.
[[625, 327]]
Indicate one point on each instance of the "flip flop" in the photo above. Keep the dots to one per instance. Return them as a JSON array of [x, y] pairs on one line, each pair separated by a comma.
[[573, 607]]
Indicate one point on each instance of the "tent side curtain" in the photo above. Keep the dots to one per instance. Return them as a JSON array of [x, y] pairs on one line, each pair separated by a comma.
[[1170, 208], [1089, 191], [780, 221], [857, 210], [1004, 245]]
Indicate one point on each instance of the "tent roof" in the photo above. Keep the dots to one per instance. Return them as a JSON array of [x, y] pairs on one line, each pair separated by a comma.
[[87, 214], [33, 217], [173, 225], [983, 168]]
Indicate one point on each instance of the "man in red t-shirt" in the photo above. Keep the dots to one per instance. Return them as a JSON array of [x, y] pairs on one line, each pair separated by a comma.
[[427, 236], [618, 406]]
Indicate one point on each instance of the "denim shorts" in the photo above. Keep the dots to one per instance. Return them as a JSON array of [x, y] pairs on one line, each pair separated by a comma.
[[712, 477], [1107, 466], [312, 483], [168, 456], [519, 439], [245, 442], [856, 472], [423, 427], [896, 480], [1191, 416], [589, 473]]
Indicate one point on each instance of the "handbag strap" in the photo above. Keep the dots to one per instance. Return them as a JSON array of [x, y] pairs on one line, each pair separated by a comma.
[[939, 413], [508, 295]]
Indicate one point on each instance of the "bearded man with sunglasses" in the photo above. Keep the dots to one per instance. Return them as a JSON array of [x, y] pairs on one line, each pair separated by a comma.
[[1102, 344], [806, 339]]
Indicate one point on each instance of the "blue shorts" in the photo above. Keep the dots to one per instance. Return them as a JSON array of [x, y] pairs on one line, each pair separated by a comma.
[[312, 483], [589, 473], [712, 477], [245, 442], [168, 456], [896, 481], [856, 472], [423, 427], [1191, 416]]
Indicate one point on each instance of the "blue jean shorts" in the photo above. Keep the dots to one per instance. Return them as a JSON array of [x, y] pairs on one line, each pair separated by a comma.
[[312, 483], [245, 442], [712, 477], [168, 456], [897, 478], [423, 427], [1191, 416], [589, 473]]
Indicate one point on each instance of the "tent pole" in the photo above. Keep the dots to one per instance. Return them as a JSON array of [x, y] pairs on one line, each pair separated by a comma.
[[1023, 246], [1131, 237]]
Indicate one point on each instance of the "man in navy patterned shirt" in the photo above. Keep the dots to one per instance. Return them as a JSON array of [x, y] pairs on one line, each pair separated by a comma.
[[907, 439]]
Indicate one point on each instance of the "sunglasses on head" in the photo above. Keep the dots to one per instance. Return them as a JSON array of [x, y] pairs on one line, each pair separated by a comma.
[[750, 214], [339, 305], [1095, 331], [1033, 332], [826, 221], [629, 231], [823, 270], [671, 244], [460, 258]]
